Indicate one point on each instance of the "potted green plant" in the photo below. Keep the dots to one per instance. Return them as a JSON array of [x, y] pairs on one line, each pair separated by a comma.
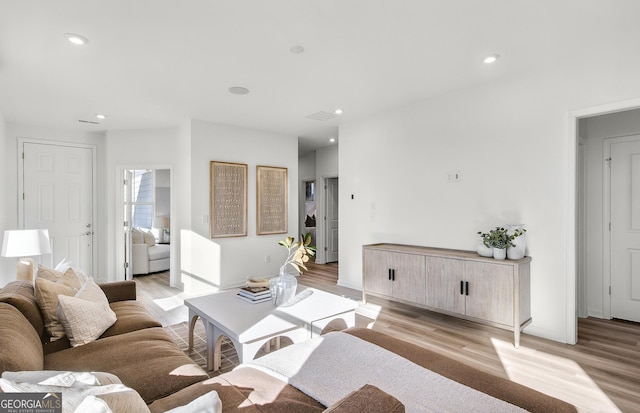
[[499, 239]]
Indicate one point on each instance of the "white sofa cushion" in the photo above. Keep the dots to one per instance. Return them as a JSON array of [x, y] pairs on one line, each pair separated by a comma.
[[159, 252]]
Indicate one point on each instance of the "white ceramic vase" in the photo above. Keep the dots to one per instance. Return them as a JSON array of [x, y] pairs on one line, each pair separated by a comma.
[[517, 252], [483, 250], [499, 253]]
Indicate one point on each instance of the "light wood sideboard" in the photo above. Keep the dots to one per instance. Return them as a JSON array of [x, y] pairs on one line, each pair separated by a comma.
[[455, 282]]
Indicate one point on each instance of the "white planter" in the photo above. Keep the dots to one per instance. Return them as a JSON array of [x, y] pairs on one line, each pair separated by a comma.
[[499, 253], [517, 252], [483, 250]]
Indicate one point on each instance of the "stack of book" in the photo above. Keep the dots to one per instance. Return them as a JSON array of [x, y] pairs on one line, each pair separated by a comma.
[[254, 295]]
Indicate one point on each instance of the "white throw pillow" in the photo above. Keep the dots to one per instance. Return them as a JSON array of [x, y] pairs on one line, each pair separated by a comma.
[[84, 320], [92, 292], [62, 378], [63, 265], [207, 403], [74, 397]]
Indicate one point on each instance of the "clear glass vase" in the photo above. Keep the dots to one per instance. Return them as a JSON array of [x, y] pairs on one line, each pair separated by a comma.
[[283, 287]]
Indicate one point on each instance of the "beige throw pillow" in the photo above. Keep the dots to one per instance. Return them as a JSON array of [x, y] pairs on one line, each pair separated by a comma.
[[136, 236], [83, 320], [47, 293], [149, 239], [87, 315], [68, 278]]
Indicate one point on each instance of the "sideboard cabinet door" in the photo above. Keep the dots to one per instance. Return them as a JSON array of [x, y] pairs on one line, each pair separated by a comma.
[[443, 277], [396, 275], [490, 295], [376, 266], [408, 277]]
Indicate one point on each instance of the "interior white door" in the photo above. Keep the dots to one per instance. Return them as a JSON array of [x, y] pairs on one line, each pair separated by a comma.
[[58, 196], [333, 217], [625, 230]]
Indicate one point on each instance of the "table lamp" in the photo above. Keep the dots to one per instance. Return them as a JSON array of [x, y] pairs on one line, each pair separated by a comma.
[[162, 223], [25, 244]]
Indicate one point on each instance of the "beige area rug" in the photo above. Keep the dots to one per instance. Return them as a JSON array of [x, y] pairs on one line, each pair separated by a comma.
[[180, 335]]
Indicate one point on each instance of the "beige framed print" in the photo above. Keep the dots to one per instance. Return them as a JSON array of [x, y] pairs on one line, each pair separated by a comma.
[[228, 203], [272, 200]]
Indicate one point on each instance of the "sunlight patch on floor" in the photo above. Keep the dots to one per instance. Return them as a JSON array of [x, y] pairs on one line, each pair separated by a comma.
[[176, 300], [173, 301], [556, 376], [370, 311]]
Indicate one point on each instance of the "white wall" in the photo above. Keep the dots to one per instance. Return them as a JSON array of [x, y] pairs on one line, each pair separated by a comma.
[[327, 166], [13, 131], [307, 167], [7, 266], [596, 129], [224, 262], [509, 141]]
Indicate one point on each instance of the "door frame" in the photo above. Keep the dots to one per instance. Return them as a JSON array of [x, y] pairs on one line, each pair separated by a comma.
[[321, 222], [302, 205], [326, 208], [174, 279], [94, 184], [606, 219], [571, 212]]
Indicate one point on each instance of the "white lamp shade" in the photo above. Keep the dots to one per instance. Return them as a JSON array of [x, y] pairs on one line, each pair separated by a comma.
[[26, 243], [161, 222]]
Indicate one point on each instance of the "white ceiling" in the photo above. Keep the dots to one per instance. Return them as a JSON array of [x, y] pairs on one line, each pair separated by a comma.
[[156, 63]]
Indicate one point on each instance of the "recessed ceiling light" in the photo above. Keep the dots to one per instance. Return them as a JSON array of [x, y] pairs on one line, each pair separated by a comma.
[[238, 90], [76, 39], [338, 111], [101, 116], [332, 140], [491, 58], [297, 49]]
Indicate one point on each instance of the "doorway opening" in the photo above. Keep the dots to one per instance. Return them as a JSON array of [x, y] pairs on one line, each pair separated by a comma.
[[598, 132], [331, 219], [146, 225], [609, 268], [309, 219]]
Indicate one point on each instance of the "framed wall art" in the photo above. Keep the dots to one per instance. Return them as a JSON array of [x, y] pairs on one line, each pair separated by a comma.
[[272, 200], [228, 203]]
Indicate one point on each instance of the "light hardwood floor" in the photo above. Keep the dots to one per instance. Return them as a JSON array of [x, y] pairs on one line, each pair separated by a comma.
[[599, 374]]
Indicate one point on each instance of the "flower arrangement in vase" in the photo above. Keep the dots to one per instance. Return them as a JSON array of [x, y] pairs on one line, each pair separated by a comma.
[[283, 287], [499, 239]]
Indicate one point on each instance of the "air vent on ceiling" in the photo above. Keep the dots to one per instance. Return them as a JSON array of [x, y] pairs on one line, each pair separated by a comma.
[[88, 121], [322, 116]]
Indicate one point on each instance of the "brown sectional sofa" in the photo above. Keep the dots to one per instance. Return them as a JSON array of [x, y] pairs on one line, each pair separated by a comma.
[[136, 348]]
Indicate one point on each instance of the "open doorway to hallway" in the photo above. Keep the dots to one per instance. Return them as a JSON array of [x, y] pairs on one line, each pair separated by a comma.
[[145, 232], [608, 227]]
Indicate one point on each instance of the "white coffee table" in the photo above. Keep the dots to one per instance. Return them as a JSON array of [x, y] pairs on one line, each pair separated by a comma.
[[250, 326]]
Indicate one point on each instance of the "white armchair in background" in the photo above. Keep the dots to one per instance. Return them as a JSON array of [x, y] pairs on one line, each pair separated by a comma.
[[148, 256]]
